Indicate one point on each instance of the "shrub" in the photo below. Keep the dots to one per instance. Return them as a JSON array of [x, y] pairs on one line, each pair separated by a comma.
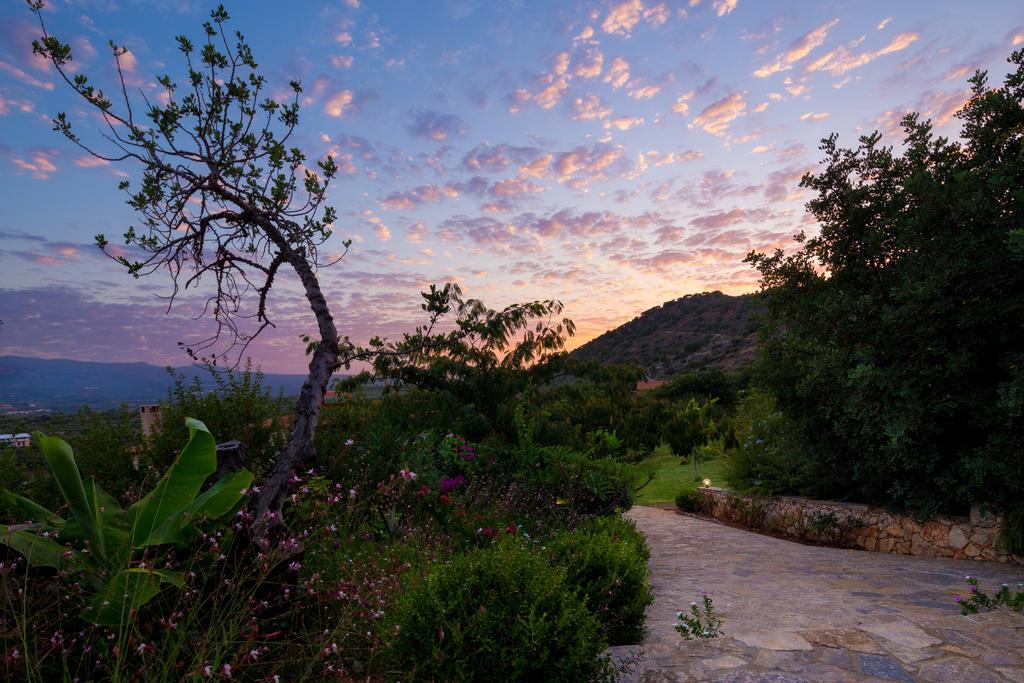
[[590, 486], [690, 501], [241, 407], [621, 529], [611, 576], [1012, 536], [768, 457], [503, 613]]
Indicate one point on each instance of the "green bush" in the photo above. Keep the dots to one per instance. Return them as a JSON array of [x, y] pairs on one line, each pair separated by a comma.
[[768, 457], [241, 407], [604, 564], [690, 501], [590, 486], [621, 529], [504, 614]]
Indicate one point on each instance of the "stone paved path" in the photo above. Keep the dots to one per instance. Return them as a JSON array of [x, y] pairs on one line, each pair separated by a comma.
[[801, 613]]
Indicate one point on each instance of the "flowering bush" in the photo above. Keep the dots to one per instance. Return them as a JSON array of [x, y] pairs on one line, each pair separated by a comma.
[[505, 614], [978, 599]]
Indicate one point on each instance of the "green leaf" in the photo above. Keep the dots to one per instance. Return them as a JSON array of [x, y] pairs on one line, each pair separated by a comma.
[[179, 485], [128, 590], [40, 551], [217, 501], [113, 520], [61, 460], [33, 511]]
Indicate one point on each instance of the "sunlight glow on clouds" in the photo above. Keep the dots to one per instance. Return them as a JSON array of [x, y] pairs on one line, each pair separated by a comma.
[[610, 153]]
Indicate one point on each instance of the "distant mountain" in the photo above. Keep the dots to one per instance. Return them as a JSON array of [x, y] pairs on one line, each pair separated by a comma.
[[697, 330], [36, 384]]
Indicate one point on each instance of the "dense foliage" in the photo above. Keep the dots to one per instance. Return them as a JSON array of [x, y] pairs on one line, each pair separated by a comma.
[[606, 561], [895, 338], [502, 614]]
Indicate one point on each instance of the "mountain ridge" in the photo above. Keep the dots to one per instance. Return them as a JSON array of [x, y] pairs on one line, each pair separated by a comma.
[[29, 384], [696, 330]]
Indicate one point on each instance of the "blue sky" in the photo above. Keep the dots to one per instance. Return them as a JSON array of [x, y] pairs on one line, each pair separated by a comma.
[[613, 155]]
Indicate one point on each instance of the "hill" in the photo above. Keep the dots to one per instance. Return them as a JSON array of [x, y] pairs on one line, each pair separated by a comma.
[[39, 385], [694, 331]]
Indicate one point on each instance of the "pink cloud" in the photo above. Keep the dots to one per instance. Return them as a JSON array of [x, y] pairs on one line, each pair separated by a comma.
[[723, 7], [716, 117], [617, 74], [40, 163], [624, 122], [339, 104], [589, 107], [797, 50], [841, 60], [622, 17], [589, 64], [24, 76], [514, 187], [9, 104]]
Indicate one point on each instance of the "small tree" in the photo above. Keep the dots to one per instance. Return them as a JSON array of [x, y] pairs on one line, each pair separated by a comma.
[[222, 197]]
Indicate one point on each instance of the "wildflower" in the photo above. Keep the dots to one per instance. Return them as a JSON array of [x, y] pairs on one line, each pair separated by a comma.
[[349, 442], [295, 566], [227, 671], [957, 598]]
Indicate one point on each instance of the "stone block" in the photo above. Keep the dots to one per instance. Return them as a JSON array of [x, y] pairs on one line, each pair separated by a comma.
[[957, 538]]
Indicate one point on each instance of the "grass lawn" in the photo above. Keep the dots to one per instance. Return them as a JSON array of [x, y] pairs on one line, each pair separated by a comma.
[[670, 477]]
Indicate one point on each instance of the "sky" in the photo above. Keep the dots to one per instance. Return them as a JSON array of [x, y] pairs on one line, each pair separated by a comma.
[[612, 155]]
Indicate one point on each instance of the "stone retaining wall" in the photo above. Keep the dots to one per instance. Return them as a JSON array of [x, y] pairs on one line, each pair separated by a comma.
[[862, 526]]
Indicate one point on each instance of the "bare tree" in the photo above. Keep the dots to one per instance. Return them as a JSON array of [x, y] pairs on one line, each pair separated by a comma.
[[223, 197]]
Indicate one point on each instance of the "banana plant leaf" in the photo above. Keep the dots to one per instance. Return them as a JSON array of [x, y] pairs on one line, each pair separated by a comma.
[[42, 551], [62, 464], [33, 511], [128, 590], [220, 499], [179, 486]]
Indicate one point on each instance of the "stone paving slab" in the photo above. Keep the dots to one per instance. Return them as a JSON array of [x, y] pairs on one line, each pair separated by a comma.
[[796, 613]]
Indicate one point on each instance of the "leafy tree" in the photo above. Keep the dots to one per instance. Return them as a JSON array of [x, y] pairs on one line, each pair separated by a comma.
[[895, 337], [485, 358]]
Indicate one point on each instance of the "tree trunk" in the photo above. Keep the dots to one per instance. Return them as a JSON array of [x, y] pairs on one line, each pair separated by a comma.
[[298, 450]]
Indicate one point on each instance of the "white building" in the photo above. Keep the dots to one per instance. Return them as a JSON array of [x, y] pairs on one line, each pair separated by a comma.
[[21, 440], [149, 417]]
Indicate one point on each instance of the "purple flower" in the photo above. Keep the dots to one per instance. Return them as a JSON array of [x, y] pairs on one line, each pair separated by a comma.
[[452, 483]]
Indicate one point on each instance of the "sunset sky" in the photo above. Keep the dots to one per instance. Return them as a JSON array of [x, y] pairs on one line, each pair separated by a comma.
[[613, 155]]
